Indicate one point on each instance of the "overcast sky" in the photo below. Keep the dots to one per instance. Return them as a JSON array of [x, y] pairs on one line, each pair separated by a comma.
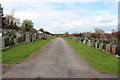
[[66, 15]]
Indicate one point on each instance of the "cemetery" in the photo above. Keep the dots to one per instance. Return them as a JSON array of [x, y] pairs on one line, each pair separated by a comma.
[[109, 46], [11, 37], [47, 52], [16, 42], [17, 38]]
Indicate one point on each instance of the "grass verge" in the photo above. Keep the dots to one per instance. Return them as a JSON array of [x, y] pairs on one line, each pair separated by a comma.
[[19, 53], [103, 62]]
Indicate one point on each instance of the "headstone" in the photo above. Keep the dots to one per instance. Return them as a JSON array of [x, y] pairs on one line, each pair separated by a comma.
[[84, 41], [79, 39], [92, 42], [111, 44], [114, 49], [6, 41], [18, 37], [11, 40], [3, 42], [104, 45], [27, 38], [96, 44], [89, 42], [30, 37], [100, 46], [118, 49], [108, 48]]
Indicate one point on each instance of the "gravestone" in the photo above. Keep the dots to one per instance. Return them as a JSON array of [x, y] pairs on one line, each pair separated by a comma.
[[118, 49], [6, 41], [104, 45], [96, 44], [30, 37], [111, 44], [89, 42], [3, 42], [84, 41], [24, 37], [79, 39], [92, 42], [100, 46], [11, 40], [18, 37], [27, 38], [35, 36], [108, 48], [114, 49]]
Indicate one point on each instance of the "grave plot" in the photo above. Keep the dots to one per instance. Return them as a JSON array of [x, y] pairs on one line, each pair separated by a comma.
[[11, 37], [103, 45]]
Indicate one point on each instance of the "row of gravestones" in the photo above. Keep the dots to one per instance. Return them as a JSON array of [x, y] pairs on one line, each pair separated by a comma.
[[108, 46], [14, 38]]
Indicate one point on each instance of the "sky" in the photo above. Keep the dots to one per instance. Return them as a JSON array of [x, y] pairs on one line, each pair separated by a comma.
[[62, 16]]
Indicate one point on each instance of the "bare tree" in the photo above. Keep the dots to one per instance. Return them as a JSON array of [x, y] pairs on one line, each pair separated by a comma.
[[99, 31]]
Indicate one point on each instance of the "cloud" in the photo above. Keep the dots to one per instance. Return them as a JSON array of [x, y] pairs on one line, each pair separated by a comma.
[[61, 18]]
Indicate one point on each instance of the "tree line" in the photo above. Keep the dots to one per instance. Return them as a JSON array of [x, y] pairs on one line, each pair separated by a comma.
[[9, 21], [98, 33]]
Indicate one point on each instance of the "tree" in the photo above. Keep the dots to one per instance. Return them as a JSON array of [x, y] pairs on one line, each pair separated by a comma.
[[33, 30], [28, 24], [87, 34], [46, 32], [41, 29], [80, 34], [99, 31], [66, 33], [15, 26], [93, 35], [10, 22]]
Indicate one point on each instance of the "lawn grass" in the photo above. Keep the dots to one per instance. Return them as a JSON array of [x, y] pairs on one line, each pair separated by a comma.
[[103, 62], [19, 53]]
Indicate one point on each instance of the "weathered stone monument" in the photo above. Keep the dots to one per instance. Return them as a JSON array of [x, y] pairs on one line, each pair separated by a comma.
[[27, 38], [89, 42], [114, 47], [108, 48], [96, 44], [85, 41]]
